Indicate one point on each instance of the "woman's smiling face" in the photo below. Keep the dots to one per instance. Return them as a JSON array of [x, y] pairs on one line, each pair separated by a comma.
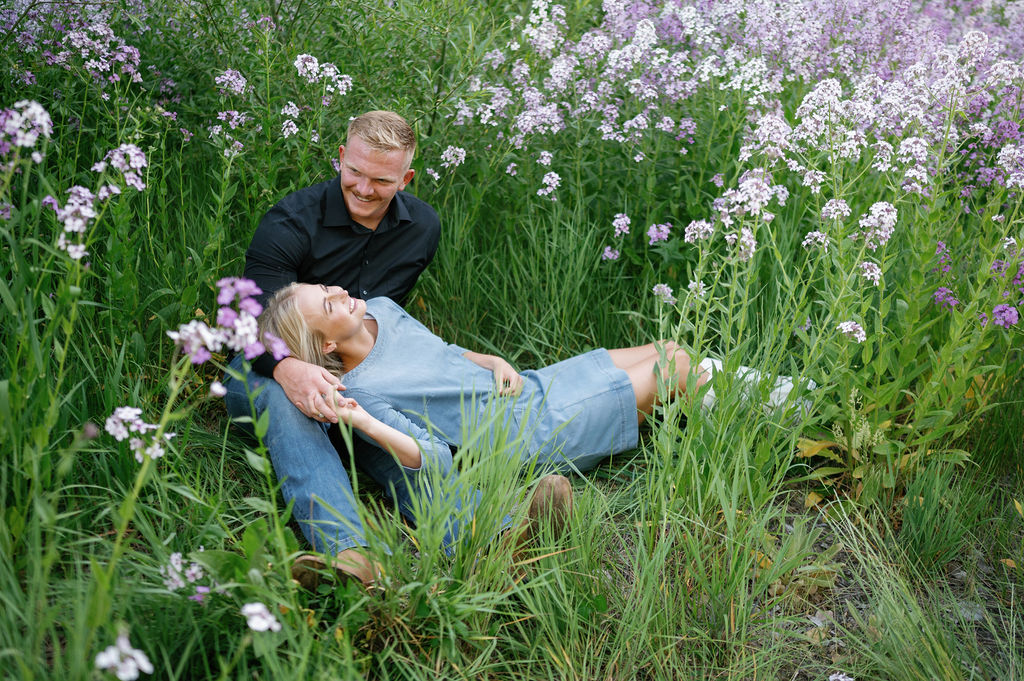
[[331, 311]]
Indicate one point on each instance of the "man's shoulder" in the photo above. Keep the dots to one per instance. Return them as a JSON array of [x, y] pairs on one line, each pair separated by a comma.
[[419, 211]]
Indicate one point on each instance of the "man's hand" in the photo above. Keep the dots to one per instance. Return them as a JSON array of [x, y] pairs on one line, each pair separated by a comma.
[[313, 389]]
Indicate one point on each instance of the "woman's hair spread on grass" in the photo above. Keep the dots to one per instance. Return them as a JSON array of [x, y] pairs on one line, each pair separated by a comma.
[[383, 131], [283, 319]]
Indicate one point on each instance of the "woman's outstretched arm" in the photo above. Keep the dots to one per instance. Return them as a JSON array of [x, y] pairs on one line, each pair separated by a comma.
[[402, 446]]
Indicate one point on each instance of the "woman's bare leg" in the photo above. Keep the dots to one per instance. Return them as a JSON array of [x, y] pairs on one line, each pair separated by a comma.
[[640, 364]]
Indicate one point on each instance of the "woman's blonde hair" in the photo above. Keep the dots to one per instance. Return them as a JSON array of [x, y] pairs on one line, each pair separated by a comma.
[[283, 319]]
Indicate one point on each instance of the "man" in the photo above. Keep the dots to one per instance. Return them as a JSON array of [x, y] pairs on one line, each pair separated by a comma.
[[362, 232]]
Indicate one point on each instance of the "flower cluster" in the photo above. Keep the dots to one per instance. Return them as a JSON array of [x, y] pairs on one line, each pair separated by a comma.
[[621, 224], [75, 216], [105, 57], [453, 157], [129, 160], [835, 209], [658, 232], [127, 420], [745, 241], [664, 293], [80, 208], [328, 75], [551, 181], [1005, 315], [816, 239], [21, 127], [878, 225], [698, 230], [232, 82], [259, 617], [177, 577], [852, 330], [123, 661], [871, 271], [236, 327]]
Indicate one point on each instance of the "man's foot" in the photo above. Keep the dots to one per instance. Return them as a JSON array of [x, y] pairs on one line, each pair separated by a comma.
[[310, 570]]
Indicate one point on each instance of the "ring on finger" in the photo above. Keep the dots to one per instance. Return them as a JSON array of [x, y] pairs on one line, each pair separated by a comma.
[[319, 415]]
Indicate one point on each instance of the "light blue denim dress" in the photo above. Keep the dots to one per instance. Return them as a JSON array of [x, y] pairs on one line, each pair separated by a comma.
[[572, 414]]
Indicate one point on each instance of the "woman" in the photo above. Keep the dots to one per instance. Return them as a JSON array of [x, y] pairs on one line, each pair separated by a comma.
[[413, 394]]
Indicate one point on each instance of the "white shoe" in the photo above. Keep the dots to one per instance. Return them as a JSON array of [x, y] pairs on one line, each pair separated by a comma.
[[752, 379]]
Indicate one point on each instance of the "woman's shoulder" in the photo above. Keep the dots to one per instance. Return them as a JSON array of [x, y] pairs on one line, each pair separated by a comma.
[[384, 303]]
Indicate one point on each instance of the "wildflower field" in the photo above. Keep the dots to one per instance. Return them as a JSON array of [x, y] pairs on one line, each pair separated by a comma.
[[827, 189]]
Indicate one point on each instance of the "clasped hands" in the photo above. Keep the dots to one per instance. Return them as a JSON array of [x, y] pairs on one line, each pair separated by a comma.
[[314, 391]]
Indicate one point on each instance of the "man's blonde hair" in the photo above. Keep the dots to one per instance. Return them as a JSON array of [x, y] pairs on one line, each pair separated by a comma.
[[383, 131], [283, 319]]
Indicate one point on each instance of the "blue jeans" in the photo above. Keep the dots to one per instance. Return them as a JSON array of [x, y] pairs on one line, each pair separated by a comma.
[[312, 474]]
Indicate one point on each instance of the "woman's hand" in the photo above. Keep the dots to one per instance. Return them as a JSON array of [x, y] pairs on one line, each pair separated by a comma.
[[348, 411], [506, 378]]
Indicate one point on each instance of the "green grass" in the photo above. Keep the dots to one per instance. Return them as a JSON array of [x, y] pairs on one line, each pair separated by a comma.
[[714, 551]]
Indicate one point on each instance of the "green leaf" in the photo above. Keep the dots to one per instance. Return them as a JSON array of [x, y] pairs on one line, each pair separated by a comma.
[[253, 538], [262, 424], [259, 504], [258, 462], [225, 566]]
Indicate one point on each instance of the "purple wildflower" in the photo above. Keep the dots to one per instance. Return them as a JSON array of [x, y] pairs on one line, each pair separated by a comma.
[[278, 348], [1005, 316], [231, 82], [698, 230], [664, 292], [853, 330], [816, 239], [871, 271], [610, 253], [551, 182], [453, 157], [945, 298], [658, 232], [621, 224]]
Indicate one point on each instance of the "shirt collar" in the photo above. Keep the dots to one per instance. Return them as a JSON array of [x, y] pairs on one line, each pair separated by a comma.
[[336, 213]]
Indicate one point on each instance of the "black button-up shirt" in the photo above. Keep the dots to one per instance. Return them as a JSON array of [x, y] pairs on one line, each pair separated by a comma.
[[309, 236]]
